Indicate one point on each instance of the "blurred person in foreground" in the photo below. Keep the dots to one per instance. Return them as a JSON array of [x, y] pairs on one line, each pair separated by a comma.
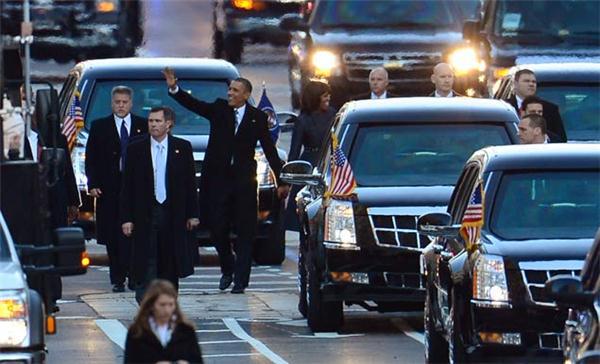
[[160, 333], [525, 84], [443, 80], [310, 131], [378, 83], [532, 129]]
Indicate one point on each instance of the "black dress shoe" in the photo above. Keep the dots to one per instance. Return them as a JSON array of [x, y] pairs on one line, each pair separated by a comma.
[[225, 282], [237, 290], [117, 288]]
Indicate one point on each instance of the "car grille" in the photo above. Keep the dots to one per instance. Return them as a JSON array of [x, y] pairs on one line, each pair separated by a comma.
[[401, 67], [534, 280], [397, 231], [404, 280], [551, 341]]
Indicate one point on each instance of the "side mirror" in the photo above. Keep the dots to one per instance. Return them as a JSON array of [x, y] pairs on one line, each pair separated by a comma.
[[293, 22], [71, 257], [471, 30], [568, 291], [286, 120], [46, 114], [300, 173], [437, 224]]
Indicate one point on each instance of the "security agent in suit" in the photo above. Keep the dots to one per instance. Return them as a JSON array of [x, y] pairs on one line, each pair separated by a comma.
[[159, 204], [105, 157], [378, 83], [230, 171], [525, 84], [535, 105], [443, 80]]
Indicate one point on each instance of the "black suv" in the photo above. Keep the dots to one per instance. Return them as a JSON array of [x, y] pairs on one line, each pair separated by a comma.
[[406, 154], [206, 79], [573, 87], [256, 21], [541, 207], [78, 29], [343, 40], [514, 32]]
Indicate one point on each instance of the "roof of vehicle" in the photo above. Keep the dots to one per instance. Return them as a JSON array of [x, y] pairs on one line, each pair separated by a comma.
[[540, 156], [585, 72], [429, 109], [148, 68]]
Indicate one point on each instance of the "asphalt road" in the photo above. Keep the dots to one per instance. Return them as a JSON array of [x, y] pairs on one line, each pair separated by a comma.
[[259, 327]]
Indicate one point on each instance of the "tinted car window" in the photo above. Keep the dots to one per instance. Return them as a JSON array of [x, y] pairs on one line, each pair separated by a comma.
[[418, 154], [579, 107], [558, 20], [547, 205], [150, 93], [4, 252], [386, 13]]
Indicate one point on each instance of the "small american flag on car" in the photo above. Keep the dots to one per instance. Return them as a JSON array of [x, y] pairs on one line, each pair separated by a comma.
[[472, 221], [342, 178], [73, 121]]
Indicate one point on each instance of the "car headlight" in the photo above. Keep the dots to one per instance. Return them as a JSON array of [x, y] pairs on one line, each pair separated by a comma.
[[489, 280], [325, 63], [264, 176], [339, 223], [465, 60], [107, 6], [78, 160], [13, 318]]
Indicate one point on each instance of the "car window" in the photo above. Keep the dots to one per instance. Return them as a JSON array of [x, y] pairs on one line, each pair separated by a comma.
[[4, 252], [418, 154], [150, 93], [547, 205], [553, 21], [386, 14], [579, 106]]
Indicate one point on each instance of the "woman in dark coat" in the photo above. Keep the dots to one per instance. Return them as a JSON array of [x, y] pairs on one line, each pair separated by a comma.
[[159, 332], [310, 131]]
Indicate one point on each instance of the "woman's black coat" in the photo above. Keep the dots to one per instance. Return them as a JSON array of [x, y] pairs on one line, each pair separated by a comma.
[[147, 348]]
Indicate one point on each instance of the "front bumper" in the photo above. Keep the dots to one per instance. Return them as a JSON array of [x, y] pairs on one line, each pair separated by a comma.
[[258, 30], [25, 357]]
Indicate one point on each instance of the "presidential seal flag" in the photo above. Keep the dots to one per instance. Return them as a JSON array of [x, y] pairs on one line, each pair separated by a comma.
[[73, 121], [266, 106], [342, 178], [472, 222]]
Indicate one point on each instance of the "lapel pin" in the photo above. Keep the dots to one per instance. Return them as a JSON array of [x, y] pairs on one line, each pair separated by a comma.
[[138, 130], [253, 120], [176, 151]]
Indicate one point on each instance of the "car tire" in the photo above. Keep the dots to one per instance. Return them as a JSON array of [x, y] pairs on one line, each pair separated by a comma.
[[232, 48], [322, 315], [218, 43], [456, 347], [435, 345], [271, 250]]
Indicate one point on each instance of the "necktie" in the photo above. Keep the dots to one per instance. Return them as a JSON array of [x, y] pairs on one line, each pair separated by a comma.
[[124, 141], [159, 175], [235, 118]]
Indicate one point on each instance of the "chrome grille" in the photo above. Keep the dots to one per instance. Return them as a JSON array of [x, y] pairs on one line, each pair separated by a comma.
[[404, 280], [397, 231], [550, 340], [535, 280], [401, 66]]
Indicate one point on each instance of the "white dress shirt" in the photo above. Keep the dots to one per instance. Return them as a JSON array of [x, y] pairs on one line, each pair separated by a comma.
[[450, 94], [239, 113], [519, 101], [163, 332], [119, 121], [159, 167], [33, 142], [382, 96]]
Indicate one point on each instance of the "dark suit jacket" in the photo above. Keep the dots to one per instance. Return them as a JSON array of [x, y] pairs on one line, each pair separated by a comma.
[[367, 96], [102, 162], [554, 123], [223, 143], [137, 200], [147, 348]]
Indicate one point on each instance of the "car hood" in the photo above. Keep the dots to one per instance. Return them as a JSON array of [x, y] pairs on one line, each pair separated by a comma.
[[11, 276], [404, 196], [538, 250], [509, 54], [386, 41]]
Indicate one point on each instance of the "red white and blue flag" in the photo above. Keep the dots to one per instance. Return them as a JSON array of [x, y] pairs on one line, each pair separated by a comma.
[[342, 178], [73, 122], [472, 221]]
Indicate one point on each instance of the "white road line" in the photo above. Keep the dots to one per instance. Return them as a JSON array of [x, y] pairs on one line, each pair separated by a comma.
[[216, 277], [221, 342], [208, 331], [196, 290], [227, 355], [76, 317], [408, 331], [114, 330], [257, 283], [238, 331]]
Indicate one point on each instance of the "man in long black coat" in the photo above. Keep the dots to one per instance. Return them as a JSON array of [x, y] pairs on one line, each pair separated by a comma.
[[105, 152], [230, 171], [159, 204]]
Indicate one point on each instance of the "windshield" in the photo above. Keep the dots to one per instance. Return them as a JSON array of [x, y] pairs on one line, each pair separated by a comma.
[[579, 106], [547, 205], [385, 14], [543, 21], [418, 154], [150, 93]]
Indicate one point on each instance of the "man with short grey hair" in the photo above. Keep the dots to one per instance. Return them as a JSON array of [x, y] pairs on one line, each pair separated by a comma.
[[104, 161], [443, 80], [378, 83]]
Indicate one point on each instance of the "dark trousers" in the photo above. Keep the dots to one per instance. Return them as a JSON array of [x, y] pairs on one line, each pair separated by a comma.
[[160, 254], [236, 206], [119, 253]]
